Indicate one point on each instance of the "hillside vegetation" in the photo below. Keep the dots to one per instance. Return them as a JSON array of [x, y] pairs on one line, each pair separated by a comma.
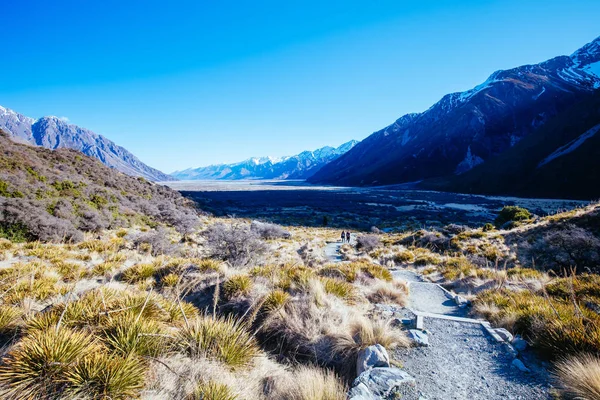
[[57, 195]]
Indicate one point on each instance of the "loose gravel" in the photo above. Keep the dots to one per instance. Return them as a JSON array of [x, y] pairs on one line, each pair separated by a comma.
[[461, 362]]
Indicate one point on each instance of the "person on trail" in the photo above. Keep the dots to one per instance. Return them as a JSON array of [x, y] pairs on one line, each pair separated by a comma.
[[343, 236], [347, 237]]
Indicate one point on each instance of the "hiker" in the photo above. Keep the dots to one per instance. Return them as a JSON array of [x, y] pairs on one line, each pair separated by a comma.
[[347, 237], [343, 236]]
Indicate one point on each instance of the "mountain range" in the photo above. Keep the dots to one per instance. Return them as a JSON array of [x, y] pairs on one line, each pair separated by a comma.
[[543, 115], [299, 166], [53, 133]]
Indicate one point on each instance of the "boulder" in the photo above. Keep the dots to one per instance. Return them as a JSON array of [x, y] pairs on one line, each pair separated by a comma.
[[372, 357], [504, 334], [384, 383], [419, 337]]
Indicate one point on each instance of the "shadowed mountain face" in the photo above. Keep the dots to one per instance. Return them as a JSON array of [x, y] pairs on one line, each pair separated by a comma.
[[300, 166], [54, 133], [464, 130]]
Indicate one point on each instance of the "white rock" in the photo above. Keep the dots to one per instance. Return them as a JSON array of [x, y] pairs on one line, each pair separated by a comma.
[[419, 337], [504, 334], [386, 382], [518, 364], [360, 392], [461, 301], [375, 356]]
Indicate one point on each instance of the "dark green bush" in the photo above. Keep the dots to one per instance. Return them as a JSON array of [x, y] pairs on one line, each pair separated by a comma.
[[512, 214]]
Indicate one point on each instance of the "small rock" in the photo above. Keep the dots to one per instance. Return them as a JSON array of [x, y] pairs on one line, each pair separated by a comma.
[[375, 356], [518, 364], [385, 382], [420, 338], [461, 301], [504, 334], [519, 343]]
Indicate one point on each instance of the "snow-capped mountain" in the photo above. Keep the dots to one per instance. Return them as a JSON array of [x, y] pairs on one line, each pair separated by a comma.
[[54, 132], [300, 166], [464, 130]]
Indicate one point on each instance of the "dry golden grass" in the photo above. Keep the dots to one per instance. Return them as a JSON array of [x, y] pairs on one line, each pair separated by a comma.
[[385, 293], [312, 383], [579, 376]]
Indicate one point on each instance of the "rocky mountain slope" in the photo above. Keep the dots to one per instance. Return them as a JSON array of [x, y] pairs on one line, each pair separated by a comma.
[[300, 166], [56, 195], [54, 133], [466, 129]]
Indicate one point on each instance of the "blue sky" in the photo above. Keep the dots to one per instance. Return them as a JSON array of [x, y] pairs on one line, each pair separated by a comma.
[[190, 83]]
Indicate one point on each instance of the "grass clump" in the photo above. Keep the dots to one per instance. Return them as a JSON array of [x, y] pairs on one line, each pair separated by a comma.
[[223, 339], [106, 376], [404, 256], [39, 366], [275, 300], [139, 273], [129, 335], [579, 376], [212, 391], [341, 289], [390, 293], [236, 286], [312, 383]]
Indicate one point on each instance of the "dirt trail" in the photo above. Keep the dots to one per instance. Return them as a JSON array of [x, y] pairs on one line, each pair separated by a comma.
[[462, 361]]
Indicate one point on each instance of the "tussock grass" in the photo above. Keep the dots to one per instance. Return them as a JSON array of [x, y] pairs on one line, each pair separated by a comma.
[[360, 334], [395, 293], [10, 319], [106, 376], [341, 289], [224, 339], [212, 391], [312, 383], [404, 256], [129, 335], [99, 246], [579, 376], [39, 365], [236, 286], [104, 268], [275, 300], [69, 271], [554, 326], [139, 272]]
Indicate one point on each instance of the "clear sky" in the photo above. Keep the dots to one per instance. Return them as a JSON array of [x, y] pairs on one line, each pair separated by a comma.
[[190, 83]]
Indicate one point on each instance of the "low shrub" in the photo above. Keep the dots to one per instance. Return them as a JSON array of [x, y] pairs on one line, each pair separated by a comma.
[[234, 243], [367, 243], [511, 214], [269, 231]]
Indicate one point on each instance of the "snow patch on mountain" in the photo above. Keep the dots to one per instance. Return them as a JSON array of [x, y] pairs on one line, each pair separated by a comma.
[[470, 161], [571, 146]]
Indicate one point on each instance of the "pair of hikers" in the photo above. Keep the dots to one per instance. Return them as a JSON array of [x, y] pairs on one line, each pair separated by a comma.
[[345, 237]]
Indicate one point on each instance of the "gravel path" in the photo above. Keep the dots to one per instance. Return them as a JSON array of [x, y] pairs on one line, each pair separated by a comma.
[[430, 298], [461, 362], [332, 252]]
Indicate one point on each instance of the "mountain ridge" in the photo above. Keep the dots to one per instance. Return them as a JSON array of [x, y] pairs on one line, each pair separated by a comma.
[[299, 166], [53, 133], [465, 129]]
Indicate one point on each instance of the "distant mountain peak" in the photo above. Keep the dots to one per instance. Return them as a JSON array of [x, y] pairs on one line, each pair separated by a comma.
[[299, 166]]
